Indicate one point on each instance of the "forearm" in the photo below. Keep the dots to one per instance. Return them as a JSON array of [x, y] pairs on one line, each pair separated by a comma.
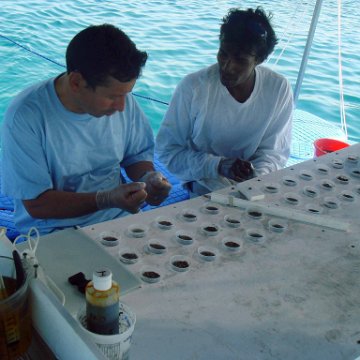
[[188, 164], [137, 170], [61, 204], [266, 161]]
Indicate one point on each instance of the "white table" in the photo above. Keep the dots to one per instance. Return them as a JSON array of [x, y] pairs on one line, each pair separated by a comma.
[[294, 296]]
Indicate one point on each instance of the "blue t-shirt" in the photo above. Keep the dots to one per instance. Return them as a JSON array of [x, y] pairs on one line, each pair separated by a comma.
[[45, 146]]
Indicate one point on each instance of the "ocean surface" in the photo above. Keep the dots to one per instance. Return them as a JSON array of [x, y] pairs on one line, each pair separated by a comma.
[[182, 37]]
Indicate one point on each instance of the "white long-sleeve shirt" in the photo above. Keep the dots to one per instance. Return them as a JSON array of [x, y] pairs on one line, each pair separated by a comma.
[[205, 123]]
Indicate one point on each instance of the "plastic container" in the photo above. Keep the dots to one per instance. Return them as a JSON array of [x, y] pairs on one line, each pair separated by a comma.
[[155, 246], [109, 238], [188, 215], [232, 245], [137, 230], [102, 303], [207, 253], [324, 146], [150, 274], [128, 256], [277, 225], [184, 237], [180, 263], [115, 347], [232, 221], [164, 223], [210, 229], [15, 313]]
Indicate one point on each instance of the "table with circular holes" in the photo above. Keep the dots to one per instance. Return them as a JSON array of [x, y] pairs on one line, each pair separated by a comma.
[[275, 276]]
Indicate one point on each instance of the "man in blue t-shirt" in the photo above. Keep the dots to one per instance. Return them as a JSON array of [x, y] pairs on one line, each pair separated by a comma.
[[65, 139]]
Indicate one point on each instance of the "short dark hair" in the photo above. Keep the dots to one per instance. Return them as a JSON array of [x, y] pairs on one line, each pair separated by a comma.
[[100, 51], [249, 30]]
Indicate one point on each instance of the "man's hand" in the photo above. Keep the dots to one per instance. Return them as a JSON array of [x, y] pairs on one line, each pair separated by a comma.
[[128, 197], [237, 169], [157, 187]]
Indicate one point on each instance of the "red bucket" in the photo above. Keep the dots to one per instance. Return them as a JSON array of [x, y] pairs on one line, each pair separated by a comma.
[[325, 146]]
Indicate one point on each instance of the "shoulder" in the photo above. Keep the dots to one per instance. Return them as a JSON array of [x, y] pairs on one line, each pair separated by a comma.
[[201, 77], [271, 75], [32, 100], [274, 80]]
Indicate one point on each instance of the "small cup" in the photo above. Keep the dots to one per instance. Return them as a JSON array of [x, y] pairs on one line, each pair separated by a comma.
[[137, 230], [109, 238], [272, 188], [232, 221], [164, 223], [150, 274], [323, 169], [254, 213], [289, 181], [347, 195], [128, 256], [180, 263], [232, 244], [337, 163], [184, 237], [331, 202], [210, 229], [342, 179], [210, 209], [355, 173], [277, 225], [327, 184], [313, 209], [352, 158], [255, 236], [307, 176], [292, 198], [207, 253], [310, 191], [156, 246], [188, 215]]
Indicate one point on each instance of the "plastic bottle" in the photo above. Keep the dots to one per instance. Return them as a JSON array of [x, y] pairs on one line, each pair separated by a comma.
[[102, 303]]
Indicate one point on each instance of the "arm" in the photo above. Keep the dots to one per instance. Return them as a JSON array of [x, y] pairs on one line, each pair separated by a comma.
[[274, 149], [174, 143], [63, 204]]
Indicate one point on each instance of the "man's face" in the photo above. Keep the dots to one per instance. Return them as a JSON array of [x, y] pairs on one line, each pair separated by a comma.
[[104, 99], [235, 67]]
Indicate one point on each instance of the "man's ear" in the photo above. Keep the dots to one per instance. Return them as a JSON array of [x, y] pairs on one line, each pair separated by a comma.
[[76, 81]]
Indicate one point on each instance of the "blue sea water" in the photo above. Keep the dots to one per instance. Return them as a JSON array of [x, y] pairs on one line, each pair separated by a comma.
[[181, 37]]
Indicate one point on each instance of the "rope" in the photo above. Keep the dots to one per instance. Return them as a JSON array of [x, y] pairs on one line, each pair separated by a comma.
[[62, 65], [290, 25], [341, 84], [284, 35], [31, 51]]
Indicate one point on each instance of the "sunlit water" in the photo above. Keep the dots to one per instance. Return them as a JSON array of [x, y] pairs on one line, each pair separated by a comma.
[[181, 37]]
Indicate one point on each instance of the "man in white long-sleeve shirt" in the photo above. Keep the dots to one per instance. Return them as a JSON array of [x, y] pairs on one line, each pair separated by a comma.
[[231, 121]]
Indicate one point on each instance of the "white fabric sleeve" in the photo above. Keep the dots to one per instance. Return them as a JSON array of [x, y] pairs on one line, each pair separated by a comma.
[[274, 149], [174, 145]]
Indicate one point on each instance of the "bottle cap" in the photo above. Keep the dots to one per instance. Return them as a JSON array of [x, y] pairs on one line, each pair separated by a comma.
[[102, 279]]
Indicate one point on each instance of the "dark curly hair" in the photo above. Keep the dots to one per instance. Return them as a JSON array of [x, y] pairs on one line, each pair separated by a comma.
[[100, 51], [249, 30]]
